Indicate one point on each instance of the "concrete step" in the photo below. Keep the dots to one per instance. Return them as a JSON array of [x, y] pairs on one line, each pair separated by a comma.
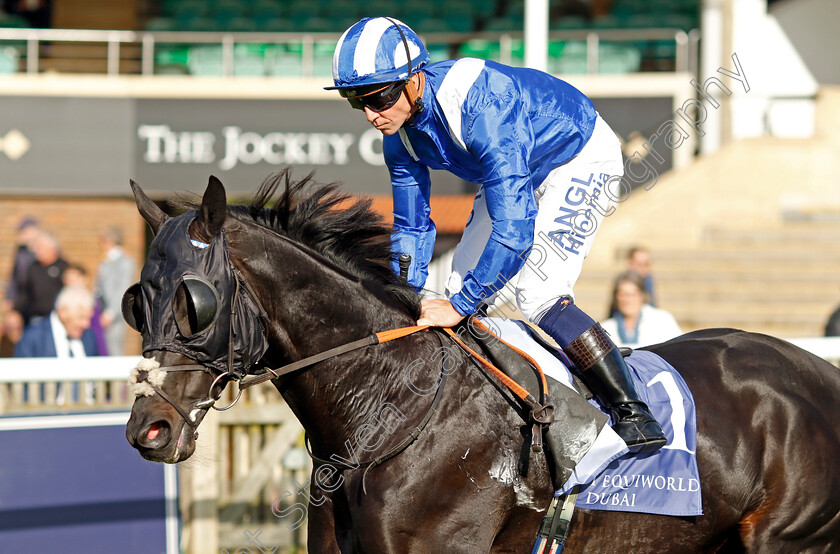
[[822, 256], [789, 235]]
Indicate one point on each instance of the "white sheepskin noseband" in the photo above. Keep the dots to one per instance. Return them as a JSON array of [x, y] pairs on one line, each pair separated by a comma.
[[151, 375]]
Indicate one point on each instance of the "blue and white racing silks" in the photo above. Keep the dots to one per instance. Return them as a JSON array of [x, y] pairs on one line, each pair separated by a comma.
[[502, 127]]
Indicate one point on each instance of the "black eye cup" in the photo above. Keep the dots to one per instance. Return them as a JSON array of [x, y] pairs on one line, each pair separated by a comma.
[[196, 305], [377, 100], [132, 307]]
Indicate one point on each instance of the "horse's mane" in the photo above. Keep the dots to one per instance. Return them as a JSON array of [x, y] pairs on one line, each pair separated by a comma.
[[346, 231]]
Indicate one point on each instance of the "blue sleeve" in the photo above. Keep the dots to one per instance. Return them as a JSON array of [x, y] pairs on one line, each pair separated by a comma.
[[500, 136], [414, 231]]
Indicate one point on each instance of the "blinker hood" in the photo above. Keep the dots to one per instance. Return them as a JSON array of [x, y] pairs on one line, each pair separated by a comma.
[[191, 303]]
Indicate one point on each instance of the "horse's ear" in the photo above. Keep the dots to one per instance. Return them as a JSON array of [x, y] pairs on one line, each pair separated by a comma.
[[150, 211], [214, 207]]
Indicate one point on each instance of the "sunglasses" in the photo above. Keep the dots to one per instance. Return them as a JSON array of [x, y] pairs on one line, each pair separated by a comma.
[[378, 100]]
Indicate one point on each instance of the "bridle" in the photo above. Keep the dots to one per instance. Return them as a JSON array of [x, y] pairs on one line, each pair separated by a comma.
[[203, 404]]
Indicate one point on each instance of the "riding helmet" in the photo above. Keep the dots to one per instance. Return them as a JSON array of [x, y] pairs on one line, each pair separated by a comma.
[[373, 51]]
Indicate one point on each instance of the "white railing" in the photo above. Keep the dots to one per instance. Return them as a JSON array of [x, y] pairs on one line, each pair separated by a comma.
[[113, 370], [686, 52], [28, 384]]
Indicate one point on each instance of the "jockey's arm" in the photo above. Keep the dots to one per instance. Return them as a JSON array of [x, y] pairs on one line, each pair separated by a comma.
[[414, 231], [500, 137]]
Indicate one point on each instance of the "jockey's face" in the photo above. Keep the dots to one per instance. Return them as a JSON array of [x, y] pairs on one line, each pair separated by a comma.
[[389, 121]]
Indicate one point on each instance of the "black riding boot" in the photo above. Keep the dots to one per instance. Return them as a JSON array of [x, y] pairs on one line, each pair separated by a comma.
[[603, 370]]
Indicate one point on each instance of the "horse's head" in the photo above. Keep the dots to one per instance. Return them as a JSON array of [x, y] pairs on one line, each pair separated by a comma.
[[317, 263], [200, 328]]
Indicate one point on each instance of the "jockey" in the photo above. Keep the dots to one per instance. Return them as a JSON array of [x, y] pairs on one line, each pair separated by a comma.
[[541, 154]]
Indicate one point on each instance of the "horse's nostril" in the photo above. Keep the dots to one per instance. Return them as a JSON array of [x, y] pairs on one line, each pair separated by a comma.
[[154, 431], [154, 435]]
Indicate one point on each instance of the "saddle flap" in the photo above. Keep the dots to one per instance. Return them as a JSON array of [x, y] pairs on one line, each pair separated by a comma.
[[576, 421]]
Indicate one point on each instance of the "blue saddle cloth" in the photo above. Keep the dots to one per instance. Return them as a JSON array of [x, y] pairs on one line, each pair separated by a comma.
[[665, 482]]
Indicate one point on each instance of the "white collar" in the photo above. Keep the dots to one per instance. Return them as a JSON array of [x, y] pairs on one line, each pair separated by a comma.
[[63, 345]]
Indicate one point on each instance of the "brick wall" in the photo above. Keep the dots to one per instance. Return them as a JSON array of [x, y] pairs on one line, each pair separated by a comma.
[[78, 225]]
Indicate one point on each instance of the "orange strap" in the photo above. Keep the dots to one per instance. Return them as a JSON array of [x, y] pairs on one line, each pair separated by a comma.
[[517, 389], [522, 353], [391, 334]]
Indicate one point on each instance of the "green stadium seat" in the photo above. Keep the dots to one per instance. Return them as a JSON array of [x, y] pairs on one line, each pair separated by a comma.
[[643, 21], [205, 60], [618, 58], [249, 60], [10, 21], [241, 25], [319, 24], [285, 60], [568, 60], [503, 24], [606, 22], [435, 25], [276, 25], [200, 24], [438, 52], [322, 54], [161, 24], [9, 58], [568, 22], [224, 12], [479, 48], [460, 24], [187, 11], [171, 59], [266, 10]]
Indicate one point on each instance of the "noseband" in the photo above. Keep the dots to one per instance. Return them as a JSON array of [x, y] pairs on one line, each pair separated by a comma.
[[147, 379]]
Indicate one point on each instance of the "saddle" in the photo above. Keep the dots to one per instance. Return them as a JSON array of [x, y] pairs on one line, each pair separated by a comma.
[[567, 425]]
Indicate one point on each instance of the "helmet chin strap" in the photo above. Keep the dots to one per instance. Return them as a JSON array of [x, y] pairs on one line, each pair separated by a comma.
[[415, 92]]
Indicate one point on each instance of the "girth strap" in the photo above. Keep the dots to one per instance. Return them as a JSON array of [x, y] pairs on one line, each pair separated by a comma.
[[376, 338]]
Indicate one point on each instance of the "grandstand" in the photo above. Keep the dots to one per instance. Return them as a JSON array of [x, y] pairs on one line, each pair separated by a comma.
[[296, 38], [741, 219]]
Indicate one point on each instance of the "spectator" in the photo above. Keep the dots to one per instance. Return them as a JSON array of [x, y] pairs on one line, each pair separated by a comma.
[[115, 275], [832, 326], [636, 323], [638, 259], [64, 334], [43, 280], [76, 275], [27, 232]]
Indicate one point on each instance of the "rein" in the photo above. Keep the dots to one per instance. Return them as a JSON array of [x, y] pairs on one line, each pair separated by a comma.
[[371, 340], [412, 436]]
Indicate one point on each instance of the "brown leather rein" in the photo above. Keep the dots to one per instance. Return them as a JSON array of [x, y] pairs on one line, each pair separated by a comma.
[[540, 414], [210, 400]]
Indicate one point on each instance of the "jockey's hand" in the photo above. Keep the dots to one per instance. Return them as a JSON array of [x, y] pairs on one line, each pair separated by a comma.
[[438, 313]]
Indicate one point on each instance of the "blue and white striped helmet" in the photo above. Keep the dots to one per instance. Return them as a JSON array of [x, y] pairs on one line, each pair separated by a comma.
[[373, 51]]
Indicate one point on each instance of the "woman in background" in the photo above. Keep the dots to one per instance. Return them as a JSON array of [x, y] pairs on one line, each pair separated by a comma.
[[634, 322]]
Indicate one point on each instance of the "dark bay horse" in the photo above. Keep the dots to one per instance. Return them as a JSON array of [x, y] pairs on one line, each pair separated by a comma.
[[767, 417]]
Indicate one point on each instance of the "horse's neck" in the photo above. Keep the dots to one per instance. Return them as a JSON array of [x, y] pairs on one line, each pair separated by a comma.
[[313, 308]]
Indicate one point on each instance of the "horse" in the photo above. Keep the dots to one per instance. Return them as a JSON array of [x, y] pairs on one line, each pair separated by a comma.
[[463, 478]]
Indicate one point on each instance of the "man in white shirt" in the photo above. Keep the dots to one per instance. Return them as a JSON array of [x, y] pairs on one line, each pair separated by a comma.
[[65, 333]]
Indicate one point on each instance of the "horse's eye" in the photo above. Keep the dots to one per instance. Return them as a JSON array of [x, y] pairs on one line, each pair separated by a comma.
[[196, 307], [132, 307]]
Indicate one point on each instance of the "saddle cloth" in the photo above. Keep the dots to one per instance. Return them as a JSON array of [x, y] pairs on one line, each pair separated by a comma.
[[665, 482]]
